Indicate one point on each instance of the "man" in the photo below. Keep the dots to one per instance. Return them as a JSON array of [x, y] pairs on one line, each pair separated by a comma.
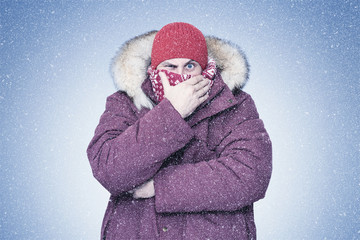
[[180, 146]]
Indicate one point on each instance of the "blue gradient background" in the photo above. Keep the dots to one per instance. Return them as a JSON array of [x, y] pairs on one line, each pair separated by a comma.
[[54, 77]]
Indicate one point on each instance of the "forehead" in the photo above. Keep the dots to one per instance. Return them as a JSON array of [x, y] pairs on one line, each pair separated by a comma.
[[177, 61]]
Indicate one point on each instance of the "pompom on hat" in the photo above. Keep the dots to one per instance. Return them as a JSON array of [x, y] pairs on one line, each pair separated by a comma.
[[179, 40]]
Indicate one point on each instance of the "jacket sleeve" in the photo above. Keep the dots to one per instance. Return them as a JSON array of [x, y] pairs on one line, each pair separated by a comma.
[[127, 151], [236, 178]]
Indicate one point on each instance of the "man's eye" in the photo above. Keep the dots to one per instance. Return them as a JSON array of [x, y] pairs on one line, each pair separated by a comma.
[[170, 66], [190, 66]]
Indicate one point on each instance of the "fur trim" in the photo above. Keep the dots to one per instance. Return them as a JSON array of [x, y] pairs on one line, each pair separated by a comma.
[[130, 64], [230, 60]]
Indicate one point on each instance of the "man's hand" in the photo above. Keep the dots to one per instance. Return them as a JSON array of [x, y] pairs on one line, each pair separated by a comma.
[[188, 95], [146, 190]]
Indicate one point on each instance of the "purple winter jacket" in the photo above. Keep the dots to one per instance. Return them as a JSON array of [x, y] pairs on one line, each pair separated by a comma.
[[208, 169]]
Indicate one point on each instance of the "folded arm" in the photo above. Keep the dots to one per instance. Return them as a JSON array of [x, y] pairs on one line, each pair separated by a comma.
[[237, 177], [126, 151]]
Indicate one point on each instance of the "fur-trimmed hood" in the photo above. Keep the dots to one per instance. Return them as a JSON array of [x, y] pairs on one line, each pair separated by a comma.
[[129, 66]]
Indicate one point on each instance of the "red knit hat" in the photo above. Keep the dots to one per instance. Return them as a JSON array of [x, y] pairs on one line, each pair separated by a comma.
[[179, 40]]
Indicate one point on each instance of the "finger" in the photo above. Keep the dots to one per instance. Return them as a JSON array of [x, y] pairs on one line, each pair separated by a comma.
[[203, 98], [140, 192], [201, 92], [164, 80], [195, 80], [202, 84], [136, 194]]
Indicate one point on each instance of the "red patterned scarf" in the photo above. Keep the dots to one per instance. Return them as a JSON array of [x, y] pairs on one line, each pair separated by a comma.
[[175, 78]]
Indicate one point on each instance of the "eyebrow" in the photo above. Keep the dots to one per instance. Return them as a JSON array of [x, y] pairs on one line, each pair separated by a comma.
[[169, 63], [189, 62]]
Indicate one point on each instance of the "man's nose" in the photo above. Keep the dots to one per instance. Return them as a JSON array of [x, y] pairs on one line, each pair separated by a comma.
[[180, 70]]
